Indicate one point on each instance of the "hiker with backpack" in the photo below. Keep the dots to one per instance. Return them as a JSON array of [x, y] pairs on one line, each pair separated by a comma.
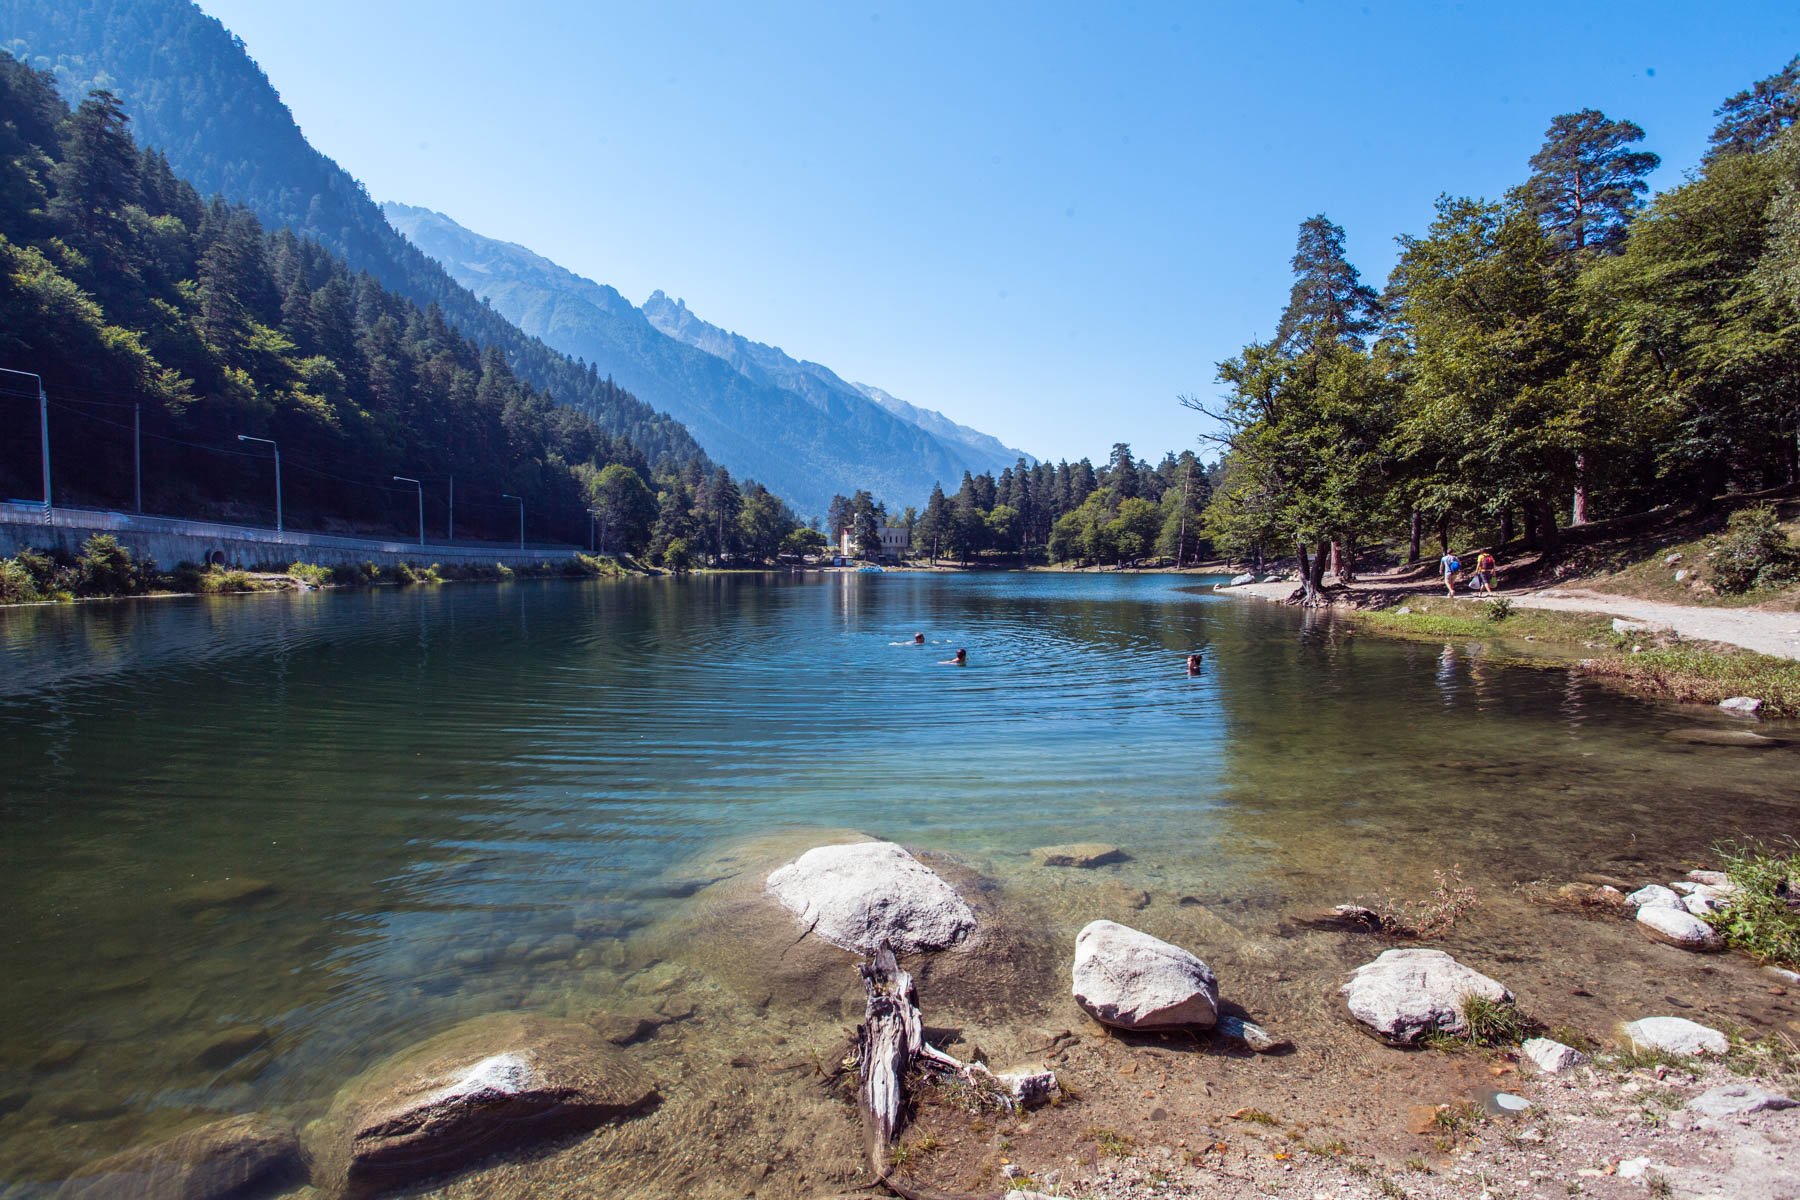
[[1450, 565]]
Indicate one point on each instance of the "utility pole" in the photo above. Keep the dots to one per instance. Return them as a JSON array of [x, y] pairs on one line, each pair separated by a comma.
[[421, 490], [505, 496], [244, 437], [43, 428], [137, 454], [450, 532]]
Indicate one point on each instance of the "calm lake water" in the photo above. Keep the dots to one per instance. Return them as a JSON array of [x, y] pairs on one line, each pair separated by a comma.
[[254, 844]]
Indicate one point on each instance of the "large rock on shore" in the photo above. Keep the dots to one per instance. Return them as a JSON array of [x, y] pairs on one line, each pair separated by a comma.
[[866, 893], [1677, 927], [1128, 979], [234, 1157], [490, 1085], [1405, 994]]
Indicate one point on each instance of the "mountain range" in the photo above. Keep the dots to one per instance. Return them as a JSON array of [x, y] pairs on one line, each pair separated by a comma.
[[194, 94], [795, 425]]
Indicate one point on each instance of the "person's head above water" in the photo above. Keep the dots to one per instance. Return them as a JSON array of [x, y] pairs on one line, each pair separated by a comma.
[[961, 659], [1193, 664], [918, 639]]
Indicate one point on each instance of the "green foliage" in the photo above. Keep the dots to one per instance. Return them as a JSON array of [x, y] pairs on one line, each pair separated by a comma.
[[1753, 552], [17, 585], [1762, 915], [106, 569], [311, 573], [1498, 609], [218, 580], [677, 557], [1495, 1023]]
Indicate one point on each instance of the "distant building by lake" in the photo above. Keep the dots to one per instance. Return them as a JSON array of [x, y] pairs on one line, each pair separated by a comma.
[[894, 542]]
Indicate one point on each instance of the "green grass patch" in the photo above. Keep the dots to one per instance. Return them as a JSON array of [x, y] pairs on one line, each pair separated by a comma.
[[1111, 1143], [1762, 916], [1707, 676]]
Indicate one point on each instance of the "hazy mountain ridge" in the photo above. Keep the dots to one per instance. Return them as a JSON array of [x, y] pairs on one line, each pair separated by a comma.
[[985, 446], [807, 441], [978, 452]]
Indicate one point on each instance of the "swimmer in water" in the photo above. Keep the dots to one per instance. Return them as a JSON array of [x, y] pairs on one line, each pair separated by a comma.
[[961, 660], [918, 639], [1193, 664]]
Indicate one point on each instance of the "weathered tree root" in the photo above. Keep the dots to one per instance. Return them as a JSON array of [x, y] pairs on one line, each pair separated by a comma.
[[888, 1042]]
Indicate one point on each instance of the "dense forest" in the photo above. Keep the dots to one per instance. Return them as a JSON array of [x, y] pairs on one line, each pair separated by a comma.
[[140, 303], [1124, 511], [199, 99], [1567, 353]]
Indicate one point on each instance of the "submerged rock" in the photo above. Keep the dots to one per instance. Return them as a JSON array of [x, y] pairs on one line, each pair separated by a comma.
[[489, 1085], [1677, 927], [1551, 1056], [860, 895], [1723, 737], [1079, 854], [1405, 994], [1676, 1035], [1128, 979], [227, 1158], [233, 892]]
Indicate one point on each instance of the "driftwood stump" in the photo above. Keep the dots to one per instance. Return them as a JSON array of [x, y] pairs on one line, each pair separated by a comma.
[[889, 1041]]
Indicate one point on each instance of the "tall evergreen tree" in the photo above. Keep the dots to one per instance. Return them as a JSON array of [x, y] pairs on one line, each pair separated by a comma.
[[1587, 182], [1752, 119], [1328, 303]]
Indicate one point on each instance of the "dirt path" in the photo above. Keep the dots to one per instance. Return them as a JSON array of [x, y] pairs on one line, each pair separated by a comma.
[[1773, 633]]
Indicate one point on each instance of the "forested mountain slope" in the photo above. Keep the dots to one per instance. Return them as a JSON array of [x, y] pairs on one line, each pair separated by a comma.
[[134, 298], [194, 93], [805, 447]]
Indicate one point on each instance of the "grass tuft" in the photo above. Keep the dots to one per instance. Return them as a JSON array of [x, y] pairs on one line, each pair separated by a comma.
[[1762, 916]]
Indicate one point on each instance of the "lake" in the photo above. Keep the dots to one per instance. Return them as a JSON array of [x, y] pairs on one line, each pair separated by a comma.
[[254, 844]]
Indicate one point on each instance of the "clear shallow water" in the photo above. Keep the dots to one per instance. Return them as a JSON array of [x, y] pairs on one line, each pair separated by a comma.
[[254, 844]]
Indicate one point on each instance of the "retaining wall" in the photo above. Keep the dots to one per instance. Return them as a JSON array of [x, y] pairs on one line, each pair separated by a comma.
[[171, 540]]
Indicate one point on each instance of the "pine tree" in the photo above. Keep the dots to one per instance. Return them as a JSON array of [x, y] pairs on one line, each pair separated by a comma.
[[1328, 303], [1587, 182], [1752, 119]]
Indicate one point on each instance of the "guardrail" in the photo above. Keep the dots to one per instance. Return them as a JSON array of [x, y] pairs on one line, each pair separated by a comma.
[[178, 539]]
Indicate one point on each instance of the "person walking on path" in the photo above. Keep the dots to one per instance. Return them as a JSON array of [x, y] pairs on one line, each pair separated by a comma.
[[1485, 568], [1450, 565]]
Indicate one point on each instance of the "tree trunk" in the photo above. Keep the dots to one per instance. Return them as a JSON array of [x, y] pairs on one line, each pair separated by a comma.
[[1532, 537], [1418, 532], [1506, 525], [1444, 534], [1578, 510], [1309, 591], [1547, 528], [1315, 582]]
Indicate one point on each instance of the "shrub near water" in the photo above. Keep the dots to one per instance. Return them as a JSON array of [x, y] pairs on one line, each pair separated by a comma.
[[1753, 552], [16, 583], [1762, 917]]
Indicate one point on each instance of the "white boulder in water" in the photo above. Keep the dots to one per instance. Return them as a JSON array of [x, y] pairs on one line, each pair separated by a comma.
[[1241, 580], [1654, 896], [862, 894], [1677, 927], [1405, 994], [1128, 979], [1742, 705], [1676, 1035]]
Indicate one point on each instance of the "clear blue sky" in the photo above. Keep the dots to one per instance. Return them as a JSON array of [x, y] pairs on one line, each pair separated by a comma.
[[1043, 219]]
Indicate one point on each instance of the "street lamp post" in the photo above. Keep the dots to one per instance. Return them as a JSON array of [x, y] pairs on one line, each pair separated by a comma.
[[43, 430], [421, 490], [507, 496], [244, 437]]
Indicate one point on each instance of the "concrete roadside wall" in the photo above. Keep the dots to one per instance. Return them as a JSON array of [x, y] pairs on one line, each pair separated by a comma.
[[170, 540]]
